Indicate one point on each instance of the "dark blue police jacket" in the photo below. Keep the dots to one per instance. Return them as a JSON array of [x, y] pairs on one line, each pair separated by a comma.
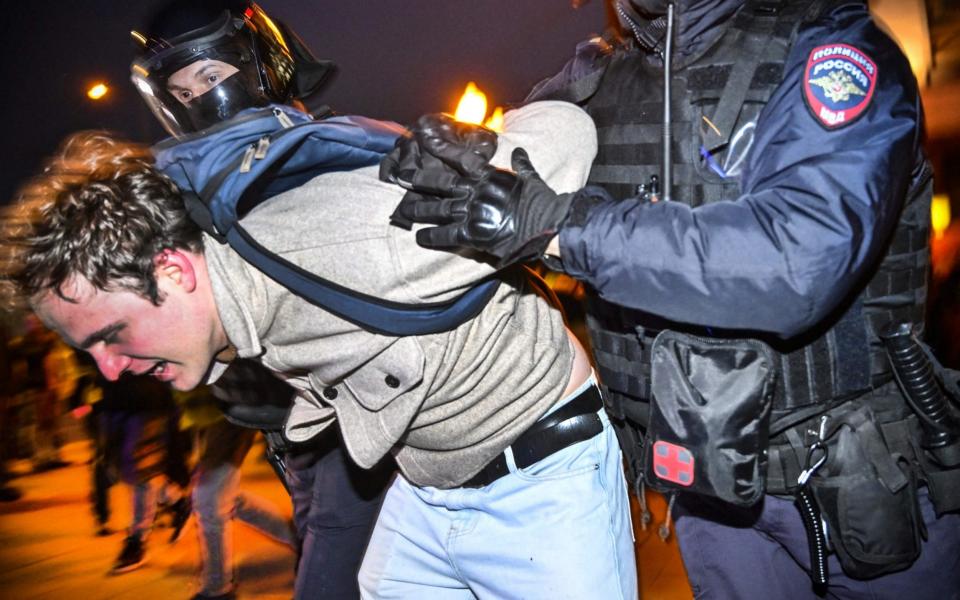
[[821, 192]]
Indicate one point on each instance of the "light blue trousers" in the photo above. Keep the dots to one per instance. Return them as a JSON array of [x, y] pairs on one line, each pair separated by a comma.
[[558, 529]]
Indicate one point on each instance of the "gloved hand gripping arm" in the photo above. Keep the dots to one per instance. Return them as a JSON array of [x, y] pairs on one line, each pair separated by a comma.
[[438, 156], [512, 216]]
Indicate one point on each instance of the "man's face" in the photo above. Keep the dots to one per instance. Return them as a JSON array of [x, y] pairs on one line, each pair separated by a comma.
[[197, 78], [125, 333]]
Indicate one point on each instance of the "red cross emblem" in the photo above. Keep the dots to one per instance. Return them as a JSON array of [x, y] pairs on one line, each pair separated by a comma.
[[673, 463]]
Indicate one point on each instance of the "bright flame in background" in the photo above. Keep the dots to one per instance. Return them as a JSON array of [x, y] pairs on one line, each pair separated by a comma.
[[940, 214], [472, 108], [97, 91], [495, 122]]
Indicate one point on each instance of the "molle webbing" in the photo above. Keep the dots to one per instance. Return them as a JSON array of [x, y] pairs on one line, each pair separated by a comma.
[[623, 363], [628, 121], [628, 112], [755, 37], [897, 292], [628, 106]]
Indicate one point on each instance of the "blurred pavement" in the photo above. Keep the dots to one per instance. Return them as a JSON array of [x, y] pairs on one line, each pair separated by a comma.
[[48, 549]]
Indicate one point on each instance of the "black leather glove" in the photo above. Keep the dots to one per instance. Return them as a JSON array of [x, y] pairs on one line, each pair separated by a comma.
[[512, 216], [439, 156], [438, 153]]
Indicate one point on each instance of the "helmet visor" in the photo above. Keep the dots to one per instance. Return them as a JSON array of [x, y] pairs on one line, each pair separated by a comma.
[[200, 94]]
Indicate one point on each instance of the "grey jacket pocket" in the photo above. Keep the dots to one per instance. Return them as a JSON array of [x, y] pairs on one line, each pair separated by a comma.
[[390, 374]]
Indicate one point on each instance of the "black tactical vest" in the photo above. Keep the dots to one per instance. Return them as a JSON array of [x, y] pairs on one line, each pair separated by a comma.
[[710, 95]]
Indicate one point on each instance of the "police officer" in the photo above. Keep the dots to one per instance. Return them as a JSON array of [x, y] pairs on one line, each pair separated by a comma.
[[758, 215], [230, 47], [199, 63]]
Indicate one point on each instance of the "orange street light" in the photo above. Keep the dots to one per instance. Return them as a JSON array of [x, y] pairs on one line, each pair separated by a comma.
[[940, 214], [97, 91]]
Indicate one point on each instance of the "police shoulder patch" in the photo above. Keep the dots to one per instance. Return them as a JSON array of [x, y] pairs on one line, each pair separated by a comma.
[[838, 84]]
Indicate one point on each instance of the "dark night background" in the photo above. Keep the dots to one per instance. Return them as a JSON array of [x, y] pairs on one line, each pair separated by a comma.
[[397, 58]]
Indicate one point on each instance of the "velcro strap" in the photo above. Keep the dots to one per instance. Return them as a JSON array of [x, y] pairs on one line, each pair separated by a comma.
[[783, 467], [900, 435]]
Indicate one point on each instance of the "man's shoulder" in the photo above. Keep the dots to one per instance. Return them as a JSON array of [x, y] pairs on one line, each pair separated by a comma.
[[580, 76], [332, 208], [336, 226]]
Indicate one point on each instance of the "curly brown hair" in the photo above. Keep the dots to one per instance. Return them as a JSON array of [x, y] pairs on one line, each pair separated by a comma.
[[100, 211]]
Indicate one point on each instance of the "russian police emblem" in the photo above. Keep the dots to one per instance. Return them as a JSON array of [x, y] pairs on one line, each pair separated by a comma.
[[838, 84]]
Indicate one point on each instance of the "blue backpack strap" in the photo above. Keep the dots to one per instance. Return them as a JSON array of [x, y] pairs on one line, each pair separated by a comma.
[[373, 314], [216, 190]]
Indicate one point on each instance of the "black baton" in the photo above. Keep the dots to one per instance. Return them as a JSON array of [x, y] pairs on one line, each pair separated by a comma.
[[915, 375]]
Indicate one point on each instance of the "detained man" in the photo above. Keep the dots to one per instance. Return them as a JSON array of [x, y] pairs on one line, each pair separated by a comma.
[[511, 482]]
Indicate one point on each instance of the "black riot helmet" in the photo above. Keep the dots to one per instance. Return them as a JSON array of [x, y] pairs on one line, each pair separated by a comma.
[[200, 62]]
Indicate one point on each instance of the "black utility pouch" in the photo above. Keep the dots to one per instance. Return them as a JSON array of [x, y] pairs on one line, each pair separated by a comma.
[[868, 499], [709, 417]]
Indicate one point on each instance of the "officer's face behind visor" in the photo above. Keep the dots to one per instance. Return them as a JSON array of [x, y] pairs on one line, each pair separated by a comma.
[[197, 78], [199, 94], [212, 91]]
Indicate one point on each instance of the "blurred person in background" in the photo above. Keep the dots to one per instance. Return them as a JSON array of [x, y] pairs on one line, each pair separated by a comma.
[[217, 498], [140, 429], [63, 376], [105, 463], [8, 493], [35, 403]]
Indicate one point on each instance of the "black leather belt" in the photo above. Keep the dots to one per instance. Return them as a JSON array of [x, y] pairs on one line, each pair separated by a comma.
[[575, 421]]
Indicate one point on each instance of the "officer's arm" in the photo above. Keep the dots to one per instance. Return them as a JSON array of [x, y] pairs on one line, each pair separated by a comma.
[[817, 208]]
